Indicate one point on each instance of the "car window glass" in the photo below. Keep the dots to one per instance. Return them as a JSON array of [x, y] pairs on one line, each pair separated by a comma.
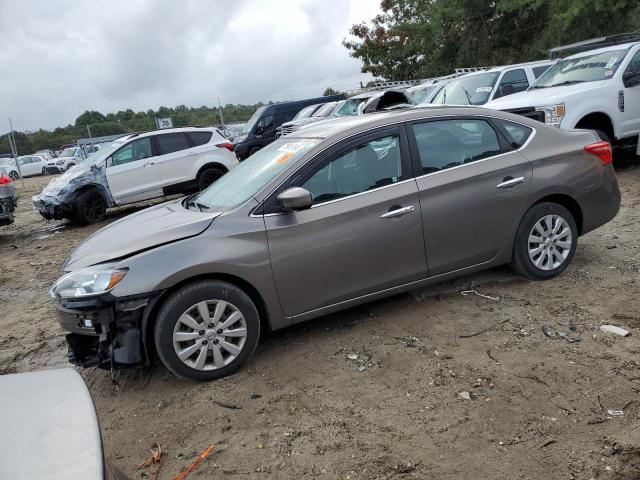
[[634, 64], [370, 165], [512, 82], [267, 123], [516, 134], [537, 71], [200, 138], [136, 150], [171, 142], [445, 144]]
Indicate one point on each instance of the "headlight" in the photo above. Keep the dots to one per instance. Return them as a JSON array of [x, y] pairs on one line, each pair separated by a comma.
[[87, 282], [553, 114], [60, 162]]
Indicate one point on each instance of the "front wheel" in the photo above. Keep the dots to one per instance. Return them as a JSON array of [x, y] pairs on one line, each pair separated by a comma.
[[206, 330], [90, 207], [545, 241]]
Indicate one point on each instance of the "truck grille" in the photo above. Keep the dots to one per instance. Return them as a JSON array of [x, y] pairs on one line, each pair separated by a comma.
[[529, 113]]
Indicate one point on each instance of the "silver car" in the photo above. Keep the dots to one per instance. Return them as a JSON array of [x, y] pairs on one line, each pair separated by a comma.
[[334, 215]]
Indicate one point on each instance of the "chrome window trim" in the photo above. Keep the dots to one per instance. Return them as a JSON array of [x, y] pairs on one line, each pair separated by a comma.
[[415, 178]]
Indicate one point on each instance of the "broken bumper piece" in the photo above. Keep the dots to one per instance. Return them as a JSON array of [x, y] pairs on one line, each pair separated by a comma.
[[106, 332]]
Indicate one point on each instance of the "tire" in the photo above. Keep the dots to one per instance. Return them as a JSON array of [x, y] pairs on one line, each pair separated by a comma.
[[44, 171], [553, 252], [207, 355], [71, 165], [90, 207], [14, 175], [208, 177]]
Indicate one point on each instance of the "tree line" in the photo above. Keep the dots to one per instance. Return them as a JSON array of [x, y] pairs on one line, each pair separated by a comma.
[[126, 121], [414, 39]]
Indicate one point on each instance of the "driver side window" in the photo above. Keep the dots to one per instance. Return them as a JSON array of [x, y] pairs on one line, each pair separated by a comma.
[[366, 167], [634, 64], [267, 123], [512, 82], [136, 150]]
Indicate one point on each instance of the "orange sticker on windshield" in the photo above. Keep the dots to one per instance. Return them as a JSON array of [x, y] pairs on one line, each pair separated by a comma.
[[284, 157]]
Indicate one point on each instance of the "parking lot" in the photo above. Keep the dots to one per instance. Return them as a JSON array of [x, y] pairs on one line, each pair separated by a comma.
[[401, 388]]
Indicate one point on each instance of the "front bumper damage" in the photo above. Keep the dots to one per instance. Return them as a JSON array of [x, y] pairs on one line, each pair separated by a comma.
[[7, 204], [107, 332]]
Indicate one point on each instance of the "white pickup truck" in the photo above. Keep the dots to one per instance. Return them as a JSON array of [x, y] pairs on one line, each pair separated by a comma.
[[597, 89]]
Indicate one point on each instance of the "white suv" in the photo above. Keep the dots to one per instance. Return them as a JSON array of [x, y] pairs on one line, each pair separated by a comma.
[[69, 157], [597, 90], [478, 88], [138, 167]]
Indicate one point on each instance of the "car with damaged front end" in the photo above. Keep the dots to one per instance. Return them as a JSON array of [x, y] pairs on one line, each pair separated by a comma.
[[336, 214]]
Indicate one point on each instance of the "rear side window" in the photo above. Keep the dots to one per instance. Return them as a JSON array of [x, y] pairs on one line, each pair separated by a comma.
[[172, 142], [199, 138], [537, 71], [516, 134], [445, 144]]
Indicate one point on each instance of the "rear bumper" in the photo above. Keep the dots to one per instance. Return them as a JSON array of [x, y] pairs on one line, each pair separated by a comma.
[[601, 204], [106, 332], [7, 207]]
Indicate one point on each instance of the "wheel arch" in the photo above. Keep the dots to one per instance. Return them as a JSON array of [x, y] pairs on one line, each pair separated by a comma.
[[211, 164], [150, 315], [568, 202], [598, 121]]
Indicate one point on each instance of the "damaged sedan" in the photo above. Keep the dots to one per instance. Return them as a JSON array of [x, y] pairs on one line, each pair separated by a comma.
[[137, 167], [334, 215]]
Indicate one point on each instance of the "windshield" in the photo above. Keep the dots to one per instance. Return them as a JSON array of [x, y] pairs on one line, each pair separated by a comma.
[[325, 110], [68, 152], [468, 90], [350, 107], [253, 120], [105, 151], [245, 180], [305, 112], [421, 93], [590, 68]]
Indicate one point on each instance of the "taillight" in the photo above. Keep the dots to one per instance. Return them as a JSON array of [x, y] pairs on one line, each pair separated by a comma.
[[227, 145], [4, 179], [602, 150]]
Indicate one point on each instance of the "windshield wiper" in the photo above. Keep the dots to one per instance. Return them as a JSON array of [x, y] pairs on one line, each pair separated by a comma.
[[189, 202], [561, 84], [467, 94]]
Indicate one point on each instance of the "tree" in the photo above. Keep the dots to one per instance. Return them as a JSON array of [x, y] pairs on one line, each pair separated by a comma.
[[89, 118], [413, 39], [330, 91]]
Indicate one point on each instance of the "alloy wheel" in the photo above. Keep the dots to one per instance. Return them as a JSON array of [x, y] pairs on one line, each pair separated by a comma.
[[93, 207], [549, 242], [209, 335]]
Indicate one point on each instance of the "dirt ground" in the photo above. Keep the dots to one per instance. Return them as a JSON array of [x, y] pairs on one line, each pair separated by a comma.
[[386, 390]]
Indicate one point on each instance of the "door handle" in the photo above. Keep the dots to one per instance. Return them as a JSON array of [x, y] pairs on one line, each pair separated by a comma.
[[509, 182], [398, 212], [149, 164]]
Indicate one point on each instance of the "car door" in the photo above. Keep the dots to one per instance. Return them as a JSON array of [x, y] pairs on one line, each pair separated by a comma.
[[512, 81], [132, 174], [472, 189], [25, 166], [362, 234], [631, 114], [175, 158]]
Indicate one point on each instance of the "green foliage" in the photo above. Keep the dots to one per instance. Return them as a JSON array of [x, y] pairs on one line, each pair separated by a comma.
[[423, 38], [330, 91], [124, 122]]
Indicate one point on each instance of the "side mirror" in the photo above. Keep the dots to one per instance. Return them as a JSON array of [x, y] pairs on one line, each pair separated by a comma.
[[295, 198], [109, 162], [631, 79]]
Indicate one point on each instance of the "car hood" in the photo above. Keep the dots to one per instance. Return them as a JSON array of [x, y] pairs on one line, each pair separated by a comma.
[[542, 96], [54, 160], [149, 228]]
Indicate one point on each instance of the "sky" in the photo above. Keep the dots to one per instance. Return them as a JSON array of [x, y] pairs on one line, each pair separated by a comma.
[[60, 58]]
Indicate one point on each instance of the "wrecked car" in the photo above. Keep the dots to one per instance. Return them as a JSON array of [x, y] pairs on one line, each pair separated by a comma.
[[336, 214], [137, 167], [50, 429], [7, 198]]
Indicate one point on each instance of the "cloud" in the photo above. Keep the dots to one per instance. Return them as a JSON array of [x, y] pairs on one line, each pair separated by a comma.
[[62, 58]]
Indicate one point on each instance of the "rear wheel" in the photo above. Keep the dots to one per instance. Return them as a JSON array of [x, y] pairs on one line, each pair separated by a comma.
[[14, 175], [545, 241], [90, 207], [206, 330], [208, 177]]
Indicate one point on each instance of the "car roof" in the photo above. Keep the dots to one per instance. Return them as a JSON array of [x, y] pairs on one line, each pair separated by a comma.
[[161, 131], [360, 123], [610, 48]]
